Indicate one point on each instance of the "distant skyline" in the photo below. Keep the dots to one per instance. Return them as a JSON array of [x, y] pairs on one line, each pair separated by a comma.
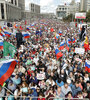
[[47, 6]]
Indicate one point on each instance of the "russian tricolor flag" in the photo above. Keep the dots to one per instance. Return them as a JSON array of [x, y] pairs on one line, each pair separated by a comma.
[[28, 29], [87, 66], [16, 26], [58, 54], [7, 33], [4, 27], [60, 33], [74, 40], [2, 34], [56, 36], [6, 69], [21, 28], [69, 41], [61, 47], [26, 35], [67, 45], [1, 45]]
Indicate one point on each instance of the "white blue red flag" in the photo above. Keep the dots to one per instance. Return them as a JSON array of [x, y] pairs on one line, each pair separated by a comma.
[[6, 69], [26, 35], [67, 45], [87, 66], [61, 47], [1, 45], [7, 33], [58, 54]]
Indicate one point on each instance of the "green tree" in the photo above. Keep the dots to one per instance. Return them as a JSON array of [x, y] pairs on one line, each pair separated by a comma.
[[68, 18], [88, 16]]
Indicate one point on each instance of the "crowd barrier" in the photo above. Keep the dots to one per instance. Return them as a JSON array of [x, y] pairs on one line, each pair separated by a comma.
[[40, 98], [57, 98]]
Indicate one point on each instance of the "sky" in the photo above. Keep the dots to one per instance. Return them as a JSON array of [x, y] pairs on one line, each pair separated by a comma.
[[47, 6]]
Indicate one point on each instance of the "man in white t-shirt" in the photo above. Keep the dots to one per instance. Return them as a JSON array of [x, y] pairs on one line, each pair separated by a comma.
[[35, 60]]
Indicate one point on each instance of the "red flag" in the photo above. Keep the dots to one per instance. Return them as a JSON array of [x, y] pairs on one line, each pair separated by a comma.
[[52, 30], [21, 28], [25, 22], [59, 55], [82, 21]]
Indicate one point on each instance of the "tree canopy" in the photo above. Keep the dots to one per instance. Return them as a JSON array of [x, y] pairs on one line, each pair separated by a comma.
[[71, 17]]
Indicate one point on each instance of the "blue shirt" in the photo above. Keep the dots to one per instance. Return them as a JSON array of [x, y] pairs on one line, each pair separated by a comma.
[[10, 97], [60, 84]]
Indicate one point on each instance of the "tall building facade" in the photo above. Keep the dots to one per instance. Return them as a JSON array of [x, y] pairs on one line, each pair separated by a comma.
[[11, 10], [88, 5], [65, 10], [85, 5], [33, 12], [14, 2], [21, 4], [62, 11], [34, 8]]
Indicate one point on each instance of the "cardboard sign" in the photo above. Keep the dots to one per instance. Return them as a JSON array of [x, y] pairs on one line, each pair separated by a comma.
[[40, 76], [79, 50], [77, 59]]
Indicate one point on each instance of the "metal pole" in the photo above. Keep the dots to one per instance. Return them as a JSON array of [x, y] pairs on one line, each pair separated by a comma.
[[8, 90], [60, 68], [72, 17]]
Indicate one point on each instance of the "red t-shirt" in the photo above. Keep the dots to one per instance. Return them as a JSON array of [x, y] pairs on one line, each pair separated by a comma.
[[29, 73], [41, 98]]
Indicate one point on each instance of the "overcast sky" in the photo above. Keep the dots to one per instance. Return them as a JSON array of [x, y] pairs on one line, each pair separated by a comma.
[[48, 6]]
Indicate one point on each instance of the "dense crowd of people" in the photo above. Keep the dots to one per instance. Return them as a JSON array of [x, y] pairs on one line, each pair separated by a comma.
[[39, 75]]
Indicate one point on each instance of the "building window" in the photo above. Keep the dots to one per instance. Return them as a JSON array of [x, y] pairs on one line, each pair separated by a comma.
[[62, 8], [12, 1], [2, 10], [15, 2], [59, 8], [33, 10], [32, 5], [65, 8]]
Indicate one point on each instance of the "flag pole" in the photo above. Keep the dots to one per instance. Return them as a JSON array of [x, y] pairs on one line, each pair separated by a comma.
[[60, 67], [8, 90]]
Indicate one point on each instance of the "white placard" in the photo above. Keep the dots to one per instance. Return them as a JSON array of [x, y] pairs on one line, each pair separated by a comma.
[[79, 50], [80, 15], [40, 76], [77, 59]]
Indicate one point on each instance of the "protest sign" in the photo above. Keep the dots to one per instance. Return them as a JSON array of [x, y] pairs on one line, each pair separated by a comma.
[[77, 59], [79, 50], [40, 76]]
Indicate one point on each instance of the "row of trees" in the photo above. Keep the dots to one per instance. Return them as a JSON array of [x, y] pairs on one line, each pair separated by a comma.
[[72, 17]]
